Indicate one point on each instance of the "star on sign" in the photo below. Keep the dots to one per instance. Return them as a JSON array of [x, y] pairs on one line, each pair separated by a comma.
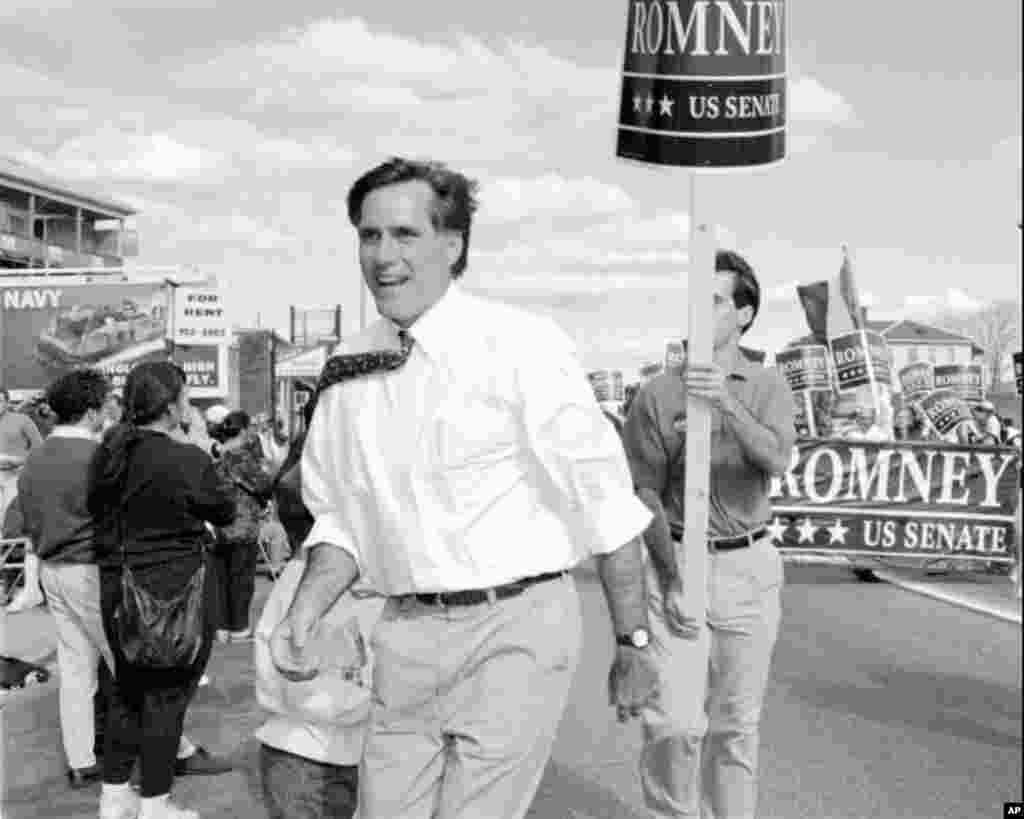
[[777, 529], [665, 105], [649, 104], [638, 104], [807, 530], [837, 532]]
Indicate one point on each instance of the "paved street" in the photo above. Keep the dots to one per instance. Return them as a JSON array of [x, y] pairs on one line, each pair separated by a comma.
[[883, 704]]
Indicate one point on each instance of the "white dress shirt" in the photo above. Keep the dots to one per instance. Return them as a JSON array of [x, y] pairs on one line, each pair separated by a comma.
[[483, 460]]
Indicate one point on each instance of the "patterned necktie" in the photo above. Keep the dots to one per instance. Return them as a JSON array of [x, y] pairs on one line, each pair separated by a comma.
[[355, 365]]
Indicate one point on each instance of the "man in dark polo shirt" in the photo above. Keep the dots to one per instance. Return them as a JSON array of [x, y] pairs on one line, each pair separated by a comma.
[[701, 734]]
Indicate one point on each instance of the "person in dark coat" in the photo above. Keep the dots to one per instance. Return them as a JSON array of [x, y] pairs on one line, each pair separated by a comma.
[[151, 498], [240, 466]]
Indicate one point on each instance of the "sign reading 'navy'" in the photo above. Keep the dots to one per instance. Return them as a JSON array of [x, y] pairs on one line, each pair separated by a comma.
[[704, 83]]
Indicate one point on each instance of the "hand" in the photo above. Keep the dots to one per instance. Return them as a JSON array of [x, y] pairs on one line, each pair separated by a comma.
[[707, 382], [632, 681], [672, 608], [289, 648]]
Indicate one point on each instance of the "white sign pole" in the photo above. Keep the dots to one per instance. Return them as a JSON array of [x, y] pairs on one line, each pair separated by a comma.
[[700, 292]]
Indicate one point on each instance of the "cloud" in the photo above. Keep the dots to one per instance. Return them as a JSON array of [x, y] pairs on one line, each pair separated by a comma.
[[512, 199], [953, 300], [810, 101], [783, 292]]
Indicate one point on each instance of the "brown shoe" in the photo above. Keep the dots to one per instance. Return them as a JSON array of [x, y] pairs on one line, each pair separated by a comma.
[[201, 763]]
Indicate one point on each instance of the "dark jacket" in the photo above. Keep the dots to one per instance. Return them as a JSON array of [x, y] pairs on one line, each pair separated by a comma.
[[242, 470], [170, 490]]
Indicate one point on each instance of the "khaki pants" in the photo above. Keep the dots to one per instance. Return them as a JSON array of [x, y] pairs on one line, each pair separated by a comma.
[[73, 596], [466, 704], [701, 734]]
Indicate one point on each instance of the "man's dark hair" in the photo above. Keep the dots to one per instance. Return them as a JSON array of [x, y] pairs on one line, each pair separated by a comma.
[[454, 196], [746, 291], [75, 393]]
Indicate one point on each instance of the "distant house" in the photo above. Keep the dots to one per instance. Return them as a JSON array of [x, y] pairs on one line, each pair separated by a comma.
[[911, 341]]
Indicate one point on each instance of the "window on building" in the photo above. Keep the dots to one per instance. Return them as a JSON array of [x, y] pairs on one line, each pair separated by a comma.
[[911, 355]]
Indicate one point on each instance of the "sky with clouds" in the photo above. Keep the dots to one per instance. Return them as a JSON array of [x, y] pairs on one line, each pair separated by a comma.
[[236, 128]]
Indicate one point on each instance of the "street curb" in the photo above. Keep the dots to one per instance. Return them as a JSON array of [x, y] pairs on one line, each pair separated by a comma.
[[946, 597]]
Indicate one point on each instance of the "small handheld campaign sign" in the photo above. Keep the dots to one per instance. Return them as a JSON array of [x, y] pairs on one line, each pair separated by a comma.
[[861, 358], [704, 84], [946, 410], [964, 379], [917, 380], [805, 368]]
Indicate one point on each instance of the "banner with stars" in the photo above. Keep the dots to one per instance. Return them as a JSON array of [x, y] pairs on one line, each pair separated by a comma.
[[704, 83], [898, 499], [860, 358], [946, 410], [966, 380]]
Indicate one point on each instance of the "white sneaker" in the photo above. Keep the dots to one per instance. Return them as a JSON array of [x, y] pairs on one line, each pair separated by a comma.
[[120, 804]]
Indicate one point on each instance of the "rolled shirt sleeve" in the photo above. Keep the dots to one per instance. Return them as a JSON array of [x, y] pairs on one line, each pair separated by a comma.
[[577, 447], [325, 489]]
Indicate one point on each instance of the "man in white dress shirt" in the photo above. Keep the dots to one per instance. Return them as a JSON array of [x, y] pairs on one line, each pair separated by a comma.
[[463, 485]]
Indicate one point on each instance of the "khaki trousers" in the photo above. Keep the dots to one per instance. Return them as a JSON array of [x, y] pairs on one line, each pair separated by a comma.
[[73, 597], [701, 734], [466, 703]]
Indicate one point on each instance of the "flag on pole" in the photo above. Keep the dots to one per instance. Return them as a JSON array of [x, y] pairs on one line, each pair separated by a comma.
[[832, 307]]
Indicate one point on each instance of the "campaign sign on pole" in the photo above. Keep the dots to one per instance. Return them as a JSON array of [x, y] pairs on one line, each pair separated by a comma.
[[964, 379], [1018, 371], [861, 357], [946, 410], [917, 380], [704, 83], [805, 368]]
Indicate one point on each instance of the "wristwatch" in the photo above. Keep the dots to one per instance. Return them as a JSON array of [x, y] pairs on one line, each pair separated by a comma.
[[637, 638]]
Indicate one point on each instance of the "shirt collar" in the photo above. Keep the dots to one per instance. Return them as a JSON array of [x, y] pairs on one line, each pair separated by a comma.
[[442, 327], [742, 367], [72, 431]]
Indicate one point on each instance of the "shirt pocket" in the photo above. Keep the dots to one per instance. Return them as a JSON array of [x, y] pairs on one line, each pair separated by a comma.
[[474, 429]]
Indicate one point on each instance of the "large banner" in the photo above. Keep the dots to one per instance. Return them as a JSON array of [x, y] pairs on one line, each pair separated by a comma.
[[921, 500], [48, 329]]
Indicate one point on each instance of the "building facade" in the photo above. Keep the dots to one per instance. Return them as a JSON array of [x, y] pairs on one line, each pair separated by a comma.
[[45, 223]]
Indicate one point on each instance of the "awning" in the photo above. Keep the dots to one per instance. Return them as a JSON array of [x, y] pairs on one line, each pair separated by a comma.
[[307, 364]]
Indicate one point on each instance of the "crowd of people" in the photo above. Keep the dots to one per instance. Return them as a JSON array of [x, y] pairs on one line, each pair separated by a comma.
[[416, 654]]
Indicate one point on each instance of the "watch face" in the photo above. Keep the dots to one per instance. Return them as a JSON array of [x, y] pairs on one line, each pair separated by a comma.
[[640, 638]]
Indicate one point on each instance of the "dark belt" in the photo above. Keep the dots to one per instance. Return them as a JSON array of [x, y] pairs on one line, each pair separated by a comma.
[[725, 544], [474, 597]]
